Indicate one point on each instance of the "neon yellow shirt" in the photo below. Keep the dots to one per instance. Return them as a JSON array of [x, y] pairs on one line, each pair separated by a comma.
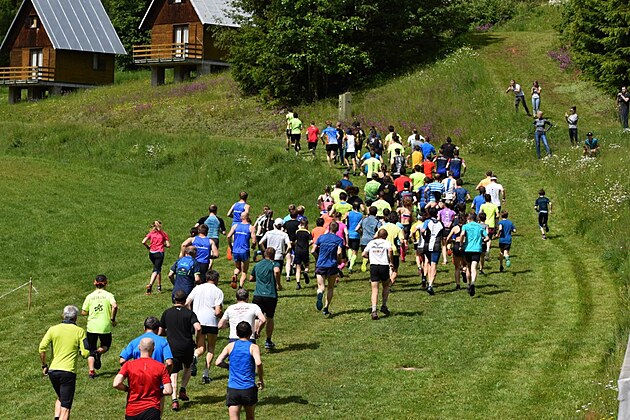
[[418, 180], [342, 207], [373, 165], [335, 194], [491, 211], [98, 305], [392, 150], [68, 341], [296, 125], [380, 206], [393, 233]]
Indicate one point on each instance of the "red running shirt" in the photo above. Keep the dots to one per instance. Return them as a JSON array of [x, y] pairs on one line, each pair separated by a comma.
[[145, 377]]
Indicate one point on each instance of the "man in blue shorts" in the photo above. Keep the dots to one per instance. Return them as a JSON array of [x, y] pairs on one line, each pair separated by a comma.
[[473, 236], [329, 247]]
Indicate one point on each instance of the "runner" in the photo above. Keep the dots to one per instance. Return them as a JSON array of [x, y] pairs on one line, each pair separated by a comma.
[[206, 250], [449, 188], [440, 164], [428, 151], [345, 180], [291, 226], [484, 182], [398, 163], [336, 192], [462, 196], [303, 241], [396, 238], [243, 311], [329, 248], [354, 219], [239, 208], [148, 381], [216, 226], [485, 252], [206, 301], [242, 390], [288, 119], [400, 182], [543, 207], [266, 274], [296, 132], [446, 215], [472, 236], [415, 157], [417, 177], [178, 323], [242, 234], [279, 241], [68, 341], [101, 309], [371, 188], [312, 135], [456, 165], [432, 231], [329, 138], [506, 229], [263, 224], [454, 238], [342, 206], [161, 350], [478, 201], [324, 200], [381, 205], [418, 242], [155, 241], [496, 191], [491, 211], [185, 272], [372, 165], [351, 155], [368, 227], [448, 149], [380, 254]]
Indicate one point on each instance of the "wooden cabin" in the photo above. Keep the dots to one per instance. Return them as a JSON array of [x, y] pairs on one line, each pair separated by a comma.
[[180, 38], [58, 45]]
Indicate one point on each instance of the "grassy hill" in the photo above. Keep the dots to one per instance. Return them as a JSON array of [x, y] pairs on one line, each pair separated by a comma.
[[85, 174]]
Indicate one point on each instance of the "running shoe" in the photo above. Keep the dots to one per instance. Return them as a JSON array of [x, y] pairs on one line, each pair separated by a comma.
[[92, 374], [288, 279], [159, 287], [298, 287], [193, 368], [501, 268], [544, 237], [182, 395], [233, 283], [326, 312], [374, 316], [385, 310], [364, 265], [307, 280], [175, 405], [424, 283], [508, 263], [97, 361], [149, 287], [269, 345], [430, 290], [471, 289], [481, 272], [458, 287], [205, 380], [546, 228], [319, 304]]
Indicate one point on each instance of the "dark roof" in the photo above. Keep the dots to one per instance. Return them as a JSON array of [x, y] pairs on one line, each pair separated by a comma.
[[77, 25], [210, 12]]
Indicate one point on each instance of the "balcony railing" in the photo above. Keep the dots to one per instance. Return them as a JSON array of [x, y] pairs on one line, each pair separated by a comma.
[[28, 74], [165, 53]]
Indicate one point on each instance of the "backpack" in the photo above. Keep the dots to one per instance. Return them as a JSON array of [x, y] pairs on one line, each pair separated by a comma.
[[399, 165], [185, 266]]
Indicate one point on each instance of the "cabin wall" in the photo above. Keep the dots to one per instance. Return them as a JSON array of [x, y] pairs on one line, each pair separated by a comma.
[[27, 38], [77, 67], [210, 50]]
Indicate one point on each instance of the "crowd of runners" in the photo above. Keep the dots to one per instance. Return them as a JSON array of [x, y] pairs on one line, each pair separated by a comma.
[[413, 207]]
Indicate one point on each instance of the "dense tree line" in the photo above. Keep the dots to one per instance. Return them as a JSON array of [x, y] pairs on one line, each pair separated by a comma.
[[598, 33]]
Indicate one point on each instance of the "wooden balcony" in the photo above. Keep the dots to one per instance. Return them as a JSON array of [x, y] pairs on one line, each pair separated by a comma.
[[167, 53], [26, 75]]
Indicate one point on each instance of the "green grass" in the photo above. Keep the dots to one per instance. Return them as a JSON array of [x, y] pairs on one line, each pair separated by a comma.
[[83, 176]]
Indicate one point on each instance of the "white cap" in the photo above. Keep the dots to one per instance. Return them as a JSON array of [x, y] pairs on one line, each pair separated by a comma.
[[278, 222]]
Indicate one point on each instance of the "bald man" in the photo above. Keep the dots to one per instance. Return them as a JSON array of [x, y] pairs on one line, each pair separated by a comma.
[[147, 382]]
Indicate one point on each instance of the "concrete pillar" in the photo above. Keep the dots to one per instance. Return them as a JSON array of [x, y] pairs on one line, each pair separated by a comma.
[[204, 68], [179, 74], [157, 76], [15, 95], [345, 106], [35, 93], [55, 90]]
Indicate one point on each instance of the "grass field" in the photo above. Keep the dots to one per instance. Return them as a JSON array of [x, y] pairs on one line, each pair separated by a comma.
[[83, 176]]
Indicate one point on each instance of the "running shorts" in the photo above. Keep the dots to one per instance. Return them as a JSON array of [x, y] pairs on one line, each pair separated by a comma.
[[353, 244], [504, 247], [301, 257], [267, 305], [64, 384], [206, 329], [240, 256], [157, 258], [94, 338], [327, 271], [472, 256], [246, 397], [379, 273]]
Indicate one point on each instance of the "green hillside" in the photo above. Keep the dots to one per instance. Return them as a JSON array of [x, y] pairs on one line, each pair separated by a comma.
[[84, 175]]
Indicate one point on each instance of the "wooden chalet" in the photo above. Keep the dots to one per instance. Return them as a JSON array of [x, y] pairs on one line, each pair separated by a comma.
[[180, 38], [58, 45]]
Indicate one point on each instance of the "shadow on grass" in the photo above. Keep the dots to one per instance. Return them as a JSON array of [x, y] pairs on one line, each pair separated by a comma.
[[353, 311], [297, 347], [203, 400], [107, 374], [404, 313], [291, 399], [496, 292]]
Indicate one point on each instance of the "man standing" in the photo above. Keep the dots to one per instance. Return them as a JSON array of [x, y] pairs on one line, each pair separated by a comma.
[[101, 308], [161, 350], [185, 272], [266, 274], [148, 381], [177, 323], [328, 246], [243, 311], [380, 254], [207, 303], [623, 102], [473, 236], [519, 95], [572, 120], [68, 341]]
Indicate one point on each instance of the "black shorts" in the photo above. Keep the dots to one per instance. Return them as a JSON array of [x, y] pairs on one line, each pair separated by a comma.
[[505, 247], [206, 329], [267, 305], [353, 244], [295, 138], [157, 258], [332, 147], [182, 359], [344, 252], [458, 250], [327, 271], [94, 338], [203, 270], [350, 155], [396, 262], [148, 414], [379, 273], [446, 232], [246, 397], [64, 383], [301, 256], [472, 256], [216, 242], [312, 145]]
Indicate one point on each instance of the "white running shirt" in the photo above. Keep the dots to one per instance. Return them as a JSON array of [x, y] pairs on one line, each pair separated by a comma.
[[205, 297], [378, 251], [241, 311]]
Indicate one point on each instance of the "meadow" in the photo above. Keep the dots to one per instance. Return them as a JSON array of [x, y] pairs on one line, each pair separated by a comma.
[[84, 175]]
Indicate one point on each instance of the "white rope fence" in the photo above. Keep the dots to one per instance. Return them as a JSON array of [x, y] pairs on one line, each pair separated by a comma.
[[30, 289]]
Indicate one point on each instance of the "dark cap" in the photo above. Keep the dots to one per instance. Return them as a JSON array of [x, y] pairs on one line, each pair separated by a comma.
[[589, 134]]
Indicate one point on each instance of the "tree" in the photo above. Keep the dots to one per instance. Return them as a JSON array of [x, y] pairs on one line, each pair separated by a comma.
[[126, 16]]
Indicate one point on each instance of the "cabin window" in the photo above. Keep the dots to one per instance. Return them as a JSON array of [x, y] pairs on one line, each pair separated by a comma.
[[33, 22], [98, 62]]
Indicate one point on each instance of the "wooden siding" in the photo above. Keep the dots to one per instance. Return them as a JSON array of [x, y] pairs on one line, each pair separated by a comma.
[[176, 14], [164, 34], [76, 67]]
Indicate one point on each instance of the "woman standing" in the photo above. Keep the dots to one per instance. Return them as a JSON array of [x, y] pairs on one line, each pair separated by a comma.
[[541, 133], [536, 96], [155, 241]]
